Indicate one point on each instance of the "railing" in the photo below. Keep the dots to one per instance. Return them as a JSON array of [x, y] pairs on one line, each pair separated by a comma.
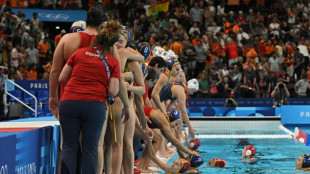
[[23, 103]]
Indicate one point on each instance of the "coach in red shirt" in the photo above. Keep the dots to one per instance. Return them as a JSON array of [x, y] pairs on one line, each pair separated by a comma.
[[91, 76]]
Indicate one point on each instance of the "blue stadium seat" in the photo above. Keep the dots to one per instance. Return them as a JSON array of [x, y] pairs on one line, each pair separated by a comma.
[[17, 94], [40, 112], [47, 111], [43, 96], [27, 112], [28, 98]]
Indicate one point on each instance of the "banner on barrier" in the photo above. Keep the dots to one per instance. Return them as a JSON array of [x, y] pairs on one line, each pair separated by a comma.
[[295, 114], [29, 151], [7, 154], [232, 111], [243, 102], [29, 85]]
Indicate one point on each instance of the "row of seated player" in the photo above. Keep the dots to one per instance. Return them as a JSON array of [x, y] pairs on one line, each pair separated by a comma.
[[42, 96]]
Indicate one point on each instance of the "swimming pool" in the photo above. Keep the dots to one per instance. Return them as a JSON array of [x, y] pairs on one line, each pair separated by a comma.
[[277, 151]]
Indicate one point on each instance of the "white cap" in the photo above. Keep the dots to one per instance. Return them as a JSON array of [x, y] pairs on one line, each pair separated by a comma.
[[157, 51], [193, 84], [164, 54], [172, 54], [248, 153], [81, 24]]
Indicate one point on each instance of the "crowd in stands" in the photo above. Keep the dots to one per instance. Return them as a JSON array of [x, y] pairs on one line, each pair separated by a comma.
[[245, 49]]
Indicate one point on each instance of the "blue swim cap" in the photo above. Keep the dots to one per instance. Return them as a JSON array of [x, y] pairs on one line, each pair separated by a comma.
[[171, 62], [144, 69], [173, 116], [145, 50], [76, 29], [126, 33], [195, 160], [305, 161]]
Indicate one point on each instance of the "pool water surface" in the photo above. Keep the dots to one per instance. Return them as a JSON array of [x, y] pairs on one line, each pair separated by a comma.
[[276, 155]]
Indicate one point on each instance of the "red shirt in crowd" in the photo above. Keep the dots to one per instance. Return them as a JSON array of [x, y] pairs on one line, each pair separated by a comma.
[[232, 50], [89, 79]]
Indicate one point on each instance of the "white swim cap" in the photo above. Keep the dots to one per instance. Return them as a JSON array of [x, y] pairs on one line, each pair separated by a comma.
[[193, 84], [81, 24]]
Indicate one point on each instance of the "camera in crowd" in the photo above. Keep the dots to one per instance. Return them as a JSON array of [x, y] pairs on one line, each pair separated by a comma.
[[281, 85]]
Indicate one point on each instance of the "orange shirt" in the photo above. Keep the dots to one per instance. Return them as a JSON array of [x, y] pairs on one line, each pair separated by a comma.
[[14, 3], [251, 53], [194, 42], [33, 74], [209, 62], [308, 73], [269, 49], [236, 28], [176, 47], [23, 4], [57, 39], [43, 47]]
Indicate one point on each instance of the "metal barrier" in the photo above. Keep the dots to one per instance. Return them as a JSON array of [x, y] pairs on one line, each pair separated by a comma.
[[23, 103]]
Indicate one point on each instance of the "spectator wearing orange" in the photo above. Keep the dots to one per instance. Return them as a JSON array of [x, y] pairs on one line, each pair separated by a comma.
[[33, 72], [231, 50], [43, 48], [236, 27], [176, 46], [195, 40], [269, 48], [251, 53], [217, 50], [59, 36], [227, 26], [209, 58]]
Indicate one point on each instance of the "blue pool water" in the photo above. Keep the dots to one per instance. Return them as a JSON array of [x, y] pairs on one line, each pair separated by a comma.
[[277, 155]]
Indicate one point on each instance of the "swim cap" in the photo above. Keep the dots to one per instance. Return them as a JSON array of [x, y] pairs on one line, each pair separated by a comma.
[[195, 160], [250, 151], [78, 26], [194, 144], [193, 84], [164, 55], [144, 69], [156, 51], [172, 54], [185, 166], [144, 49], [171, 63], [305, 161], [173, 116], [126, 33], [219, 163]]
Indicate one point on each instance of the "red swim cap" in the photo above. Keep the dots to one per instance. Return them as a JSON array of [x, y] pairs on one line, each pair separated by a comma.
[[194, 144], [250, 151]]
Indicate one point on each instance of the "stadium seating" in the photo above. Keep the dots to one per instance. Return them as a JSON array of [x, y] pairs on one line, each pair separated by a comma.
[[40, 112], [47, 112], [42, 96], [17, 94], [28, 98]]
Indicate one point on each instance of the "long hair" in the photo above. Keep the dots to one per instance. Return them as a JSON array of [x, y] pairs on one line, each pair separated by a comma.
[[108, 35]]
